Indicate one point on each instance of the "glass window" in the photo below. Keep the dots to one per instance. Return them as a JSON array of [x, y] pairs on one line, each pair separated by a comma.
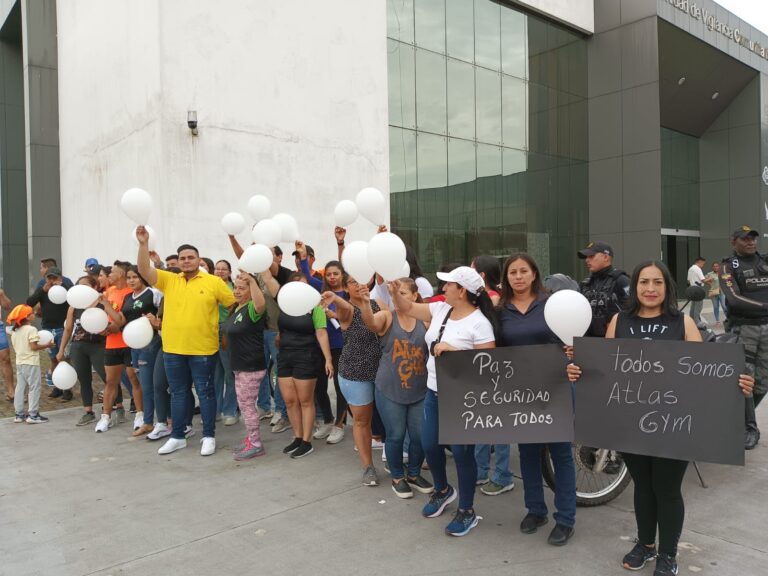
[[462, 197], [461, 99], [513, 161], [430, 25], [400, 20], [488, 34], [430, 92], [402, 84], [488, 87], [432, 161], [460, 29], [515, 112], [402, 160], [490, 190], [514, 44]]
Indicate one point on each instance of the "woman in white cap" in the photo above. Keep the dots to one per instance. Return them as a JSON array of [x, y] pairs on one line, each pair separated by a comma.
[[465, 321]]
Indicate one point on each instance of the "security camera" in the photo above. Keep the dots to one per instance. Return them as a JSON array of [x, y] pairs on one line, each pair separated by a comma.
[[192, 121]]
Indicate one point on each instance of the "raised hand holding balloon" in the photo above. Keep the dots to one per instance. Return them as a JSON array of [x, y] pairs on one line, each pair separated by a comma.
[[137, 205]]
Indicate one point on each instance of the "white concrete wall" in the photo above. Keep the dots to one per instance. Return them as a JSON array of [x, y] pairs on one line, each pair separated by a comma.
[[291, 98], [575, 13]]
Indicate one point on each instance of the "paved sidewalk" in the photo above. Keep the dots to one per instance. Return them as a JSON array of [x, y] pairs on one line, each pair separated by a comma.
[[73, 502]]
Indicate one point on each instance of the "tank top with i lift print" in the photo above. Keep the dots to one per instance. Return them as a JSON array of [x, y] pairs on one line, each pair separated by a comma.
[[662, 327]]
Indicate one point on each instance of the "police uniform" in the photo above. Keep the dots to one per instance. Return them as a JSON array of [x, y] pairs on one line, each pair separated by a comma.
[[744, 281], [607, 290]]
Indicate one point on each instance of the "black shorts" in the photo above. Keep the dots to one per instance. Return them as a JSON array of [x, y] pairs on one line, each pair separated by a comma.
[[299, 364], [117, 356]]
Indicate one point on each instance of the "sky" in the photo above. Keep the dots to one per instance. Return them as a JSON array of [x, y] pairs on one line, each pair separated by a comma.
[[755, 12]]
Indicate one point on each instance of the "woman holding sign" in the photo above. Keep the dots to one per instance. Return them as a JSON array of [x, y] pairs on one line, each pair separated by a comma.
[[652, 313], [522, 324], [465, 321]]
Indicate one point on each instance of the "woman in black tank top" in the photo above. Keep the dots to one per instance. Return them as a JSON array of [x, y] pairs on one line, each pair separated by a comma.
[[652, 314]]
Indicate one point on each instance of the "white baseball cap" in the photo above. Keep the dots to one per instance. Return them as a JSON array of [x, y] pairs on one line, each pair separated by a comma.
[[465, 277]]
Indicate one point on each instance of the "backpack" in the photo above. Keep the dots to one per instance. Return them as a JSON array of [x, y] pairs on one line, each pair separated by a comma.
[[602, 298]]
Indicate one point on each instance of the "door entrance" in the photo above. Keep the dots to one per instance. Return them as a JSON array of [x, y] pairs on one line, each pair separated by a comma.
[[678, 250]]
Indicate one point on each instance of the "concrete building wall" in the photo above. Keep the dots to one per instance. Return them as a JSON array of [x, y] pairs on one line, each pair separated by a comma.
[[291, 100]]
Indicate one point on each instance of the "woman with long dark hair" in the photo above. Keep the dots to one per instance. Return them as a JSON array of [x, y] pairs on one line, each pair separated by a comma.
[[522, 324], [658, 481], [465, 321], [223, 376]]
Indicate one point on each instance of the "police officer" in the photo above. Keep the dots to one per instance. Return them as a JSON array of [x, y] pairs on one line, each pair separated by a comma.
[[606, 287], [744, 281]]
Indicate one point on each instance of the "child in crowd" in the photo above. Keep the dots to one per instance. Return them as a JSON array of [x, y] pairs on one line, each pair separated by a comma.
[[26, 346]]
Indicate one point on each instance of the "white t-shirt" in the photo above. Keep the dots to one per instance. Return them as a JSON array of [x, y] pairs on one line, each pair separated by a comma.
[[381, 293], [462, 334], [695, 276]]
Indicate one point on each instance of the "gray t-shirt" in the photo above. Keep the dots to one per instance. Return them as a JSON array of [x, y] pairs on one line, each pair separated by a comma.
[[402, 375]]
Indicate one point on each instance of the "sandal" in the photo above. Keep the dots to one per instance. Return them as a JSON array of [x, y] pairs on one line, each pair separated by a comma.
[[9, 398]]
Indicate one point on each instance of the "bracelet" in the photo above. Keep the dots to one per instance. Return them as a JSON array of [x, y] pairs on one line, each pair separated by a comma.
[[340, 243]]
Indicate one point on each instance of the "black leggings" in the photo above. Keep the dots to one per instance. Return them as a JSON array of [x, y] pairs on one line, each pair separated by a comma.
[[658, 499], [84, 357]]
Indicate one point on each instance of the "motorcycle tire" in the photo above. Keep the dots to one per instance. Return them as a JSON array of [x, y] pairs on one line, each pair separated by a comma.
[[604, 493]]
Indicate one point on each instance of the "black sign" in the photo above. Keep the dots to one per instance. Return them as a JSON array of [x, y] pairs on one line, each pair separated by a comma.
[[661, 398], [504, 395]]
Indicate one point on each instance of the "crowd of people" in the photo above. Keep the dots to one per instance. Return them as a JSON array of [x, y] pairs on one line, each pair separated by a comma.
[[220, 332]]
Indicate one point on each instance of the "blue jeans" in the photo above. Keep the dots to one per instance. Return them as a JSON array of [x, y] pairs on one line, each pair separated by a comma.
[[397, 419], [463, 456], [162, 395], [143, 361], [565, 481], [270, 355], [501, 474], [717, 302], [182, 370], [224, 382]]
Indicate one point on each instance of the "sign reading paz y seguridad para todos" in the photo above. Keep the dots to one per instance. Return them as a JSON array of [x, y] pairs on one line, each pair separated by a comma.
[[519, 394], [661, 398]]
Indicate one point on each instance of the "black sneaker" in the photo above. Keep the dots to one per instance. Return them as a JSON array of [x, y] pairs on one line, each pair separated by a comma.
[[292, 446], [66, 396], [531, 523], [421, 484], [303, 450], [751, 438], [36, 418], [638, 556], [56, 393], [665, 565], [132, 409], [560, 535], [401, 489]]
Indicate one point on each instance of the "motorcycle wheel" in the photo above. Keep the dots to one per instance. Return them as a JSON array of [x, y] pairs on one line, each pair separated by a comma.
[[592, 488]]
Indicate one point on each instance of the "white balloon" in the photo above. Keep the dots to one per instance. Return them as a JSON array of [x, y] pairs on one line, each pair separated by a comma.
[[138, 333], [259, 207], [256, 259], [94, 320], [345, 213], [57, 294], [386, 255], [405, 271], [46, 337], [287, 223], [568, 314], [297, 298], [64, 376], [152, 236], [370, 202], [137, 205], [81, 296], [267, 232], [355, 260], [233, 223]]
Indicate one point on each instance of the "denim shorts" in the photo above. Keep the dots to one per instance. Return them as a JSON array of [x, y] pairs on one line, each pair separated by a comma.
[[356, 393], [3, 337], [58, 334]]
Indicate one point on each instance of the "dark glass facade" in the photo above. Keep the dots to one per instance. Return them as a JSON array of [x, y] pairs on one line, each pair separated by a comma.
[[488, 133]]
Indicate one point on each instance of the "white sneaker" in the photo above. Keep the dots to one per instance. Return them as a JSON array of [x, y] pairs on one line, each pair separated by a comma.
[[336, 435], [208, 446], [159, 431], [276, 417], [104, 423], [265, 414], [172, 445], [138, 420], [376, 445], [230, 420], [323, 431]]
